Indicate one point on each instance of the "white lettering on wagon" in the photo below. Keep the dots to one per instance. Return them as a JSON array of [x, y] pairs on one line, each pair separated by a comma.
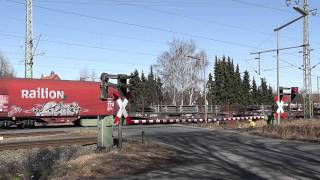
[[41, 93]]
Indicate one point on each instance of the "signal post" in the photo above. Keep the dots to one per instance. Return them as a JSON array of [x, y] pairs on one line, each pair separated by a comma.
[[119, 98], [281, 101]]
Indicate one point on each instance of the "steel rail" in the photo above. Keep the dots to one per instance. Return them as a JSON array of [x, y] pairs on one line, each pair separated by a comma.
[[48, 143], [31, 134]]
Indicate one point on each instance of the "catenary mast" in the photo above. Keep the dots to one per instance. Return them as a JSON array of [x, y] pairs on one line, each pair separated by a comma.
[[28, 42]]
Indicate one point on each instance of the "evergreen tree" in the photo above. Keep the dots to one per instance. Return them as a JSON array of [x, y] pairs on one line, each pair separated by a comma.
[[150, 89], [270, 95], [246, 88], [230, 82], [225, 86], [143, 90], [238, 88], [254, 92], [218, 82], [136, 92], [210, 86], [224, 81], [263, 92]]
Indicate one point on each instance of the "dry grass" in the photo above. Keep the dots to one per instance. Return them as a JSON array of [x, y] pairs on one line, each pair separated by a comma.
[[297, 122], [308, 130], [134, 158], [298, 129], [230, 124]]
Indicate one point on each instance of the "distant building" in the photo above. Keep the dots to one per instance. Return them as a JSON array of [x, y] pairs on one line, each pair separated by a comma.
[[52, 76]]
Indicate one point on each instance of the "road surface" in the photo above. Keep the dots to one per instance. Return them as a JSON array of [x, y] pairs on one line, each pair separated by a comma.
[[227, 154]]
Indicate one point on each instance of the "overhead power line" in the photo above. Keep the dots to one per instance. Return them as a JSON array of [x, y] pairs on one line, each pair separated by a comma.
[[196, 19], [90, 60], [260, 5], [135, 25], [103, 33], [65, 67], [274, 69], [82, 45]]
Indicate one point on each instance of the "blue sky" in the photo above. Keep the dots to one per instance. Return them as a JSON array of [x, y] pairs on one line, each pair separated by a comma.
[[118, 36]]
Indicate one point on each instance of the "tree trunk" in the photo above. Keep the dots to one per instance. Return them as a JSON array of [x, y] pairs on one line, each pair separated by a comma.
[[182, 98], [174, 96], [190, 96]]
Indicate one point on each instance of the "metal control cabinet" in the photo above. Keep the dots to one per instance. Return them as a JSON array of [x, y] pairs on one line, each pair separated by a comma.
[[105, 130]]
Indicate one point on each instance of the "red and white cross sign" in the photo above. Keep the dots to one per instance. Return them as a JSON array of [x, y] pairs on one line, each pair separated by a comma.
[[122, 111], [280, 105]]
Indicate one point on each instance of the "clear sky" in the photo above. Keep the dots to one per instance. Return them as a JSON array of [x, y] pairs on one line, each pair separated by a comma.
[[118, 36]]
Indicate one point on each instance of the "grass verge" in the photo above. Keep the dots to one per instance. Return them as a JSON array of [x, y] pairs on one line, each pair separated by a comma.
[[305, 130], [82, 162], [134, 158]]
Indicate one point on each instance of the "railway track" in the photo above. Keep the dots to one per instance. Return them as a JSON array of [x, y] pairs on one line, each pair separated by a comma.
[[48, 143], [30, 134]]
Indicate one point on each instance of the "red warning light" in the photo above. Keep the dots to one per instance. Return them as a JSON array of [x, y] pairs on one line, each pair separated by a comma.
[[294, 90]]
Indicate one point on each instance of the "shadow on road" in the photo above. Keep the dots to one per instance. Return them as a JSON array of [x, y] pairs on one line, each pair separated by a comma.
[[230, 155]]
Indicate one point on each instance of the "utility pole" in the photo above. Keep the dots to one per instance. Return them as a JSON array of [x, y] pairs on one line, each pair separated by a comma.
[[318, 90], [29, 41], [303, 14], [307, 101], [259, 68], [278, 86], [307, 95]]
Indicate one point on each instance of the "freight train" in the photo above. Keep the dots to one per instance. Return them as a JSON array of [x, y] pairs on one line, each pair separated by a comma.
[[31, 102], [27, 102]]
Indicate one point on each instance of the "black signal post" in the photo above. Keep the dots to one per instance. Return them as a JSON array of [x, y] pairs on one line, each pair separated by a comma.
[[122, 88]]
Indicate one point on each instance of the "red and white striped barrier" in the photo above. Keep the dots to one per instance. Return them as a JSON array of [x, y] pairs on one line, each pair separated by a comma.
[[192, 120]]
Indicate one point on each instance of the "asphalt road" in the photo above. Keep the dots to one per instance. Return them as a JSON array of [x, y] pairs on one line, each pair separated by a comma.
[[227, 154]]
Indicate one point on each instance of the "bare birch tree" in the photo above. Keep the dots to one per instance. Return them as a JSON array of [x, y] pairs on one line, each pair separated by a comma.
[[5, 69], [181, 74]]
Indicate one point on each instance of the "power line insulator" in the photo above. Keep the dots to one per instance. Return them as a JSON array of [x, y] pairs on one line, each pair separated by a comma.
[[288, 3]]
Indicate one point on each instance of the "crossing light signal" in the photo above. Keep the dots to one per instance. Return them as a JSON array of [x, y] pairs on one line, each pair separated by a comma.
[[123, 87], [281, 93], [294, 92], [104, 86]]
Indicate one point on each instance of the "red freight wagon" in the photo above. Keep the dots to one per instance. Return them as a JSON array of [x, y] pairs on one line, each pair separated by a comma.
[[26, 101]]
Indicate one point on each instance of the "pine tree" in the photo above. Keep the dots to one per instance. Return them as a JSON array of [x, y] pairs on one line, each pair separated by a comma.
[[150, 89], [246, 88], [143, 90], [218, 82], [135, 91], [263, 91], [238, 88], [225, 85], [223, 81], [210, 86], [270, 95], [254, 92], [230, 83]]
